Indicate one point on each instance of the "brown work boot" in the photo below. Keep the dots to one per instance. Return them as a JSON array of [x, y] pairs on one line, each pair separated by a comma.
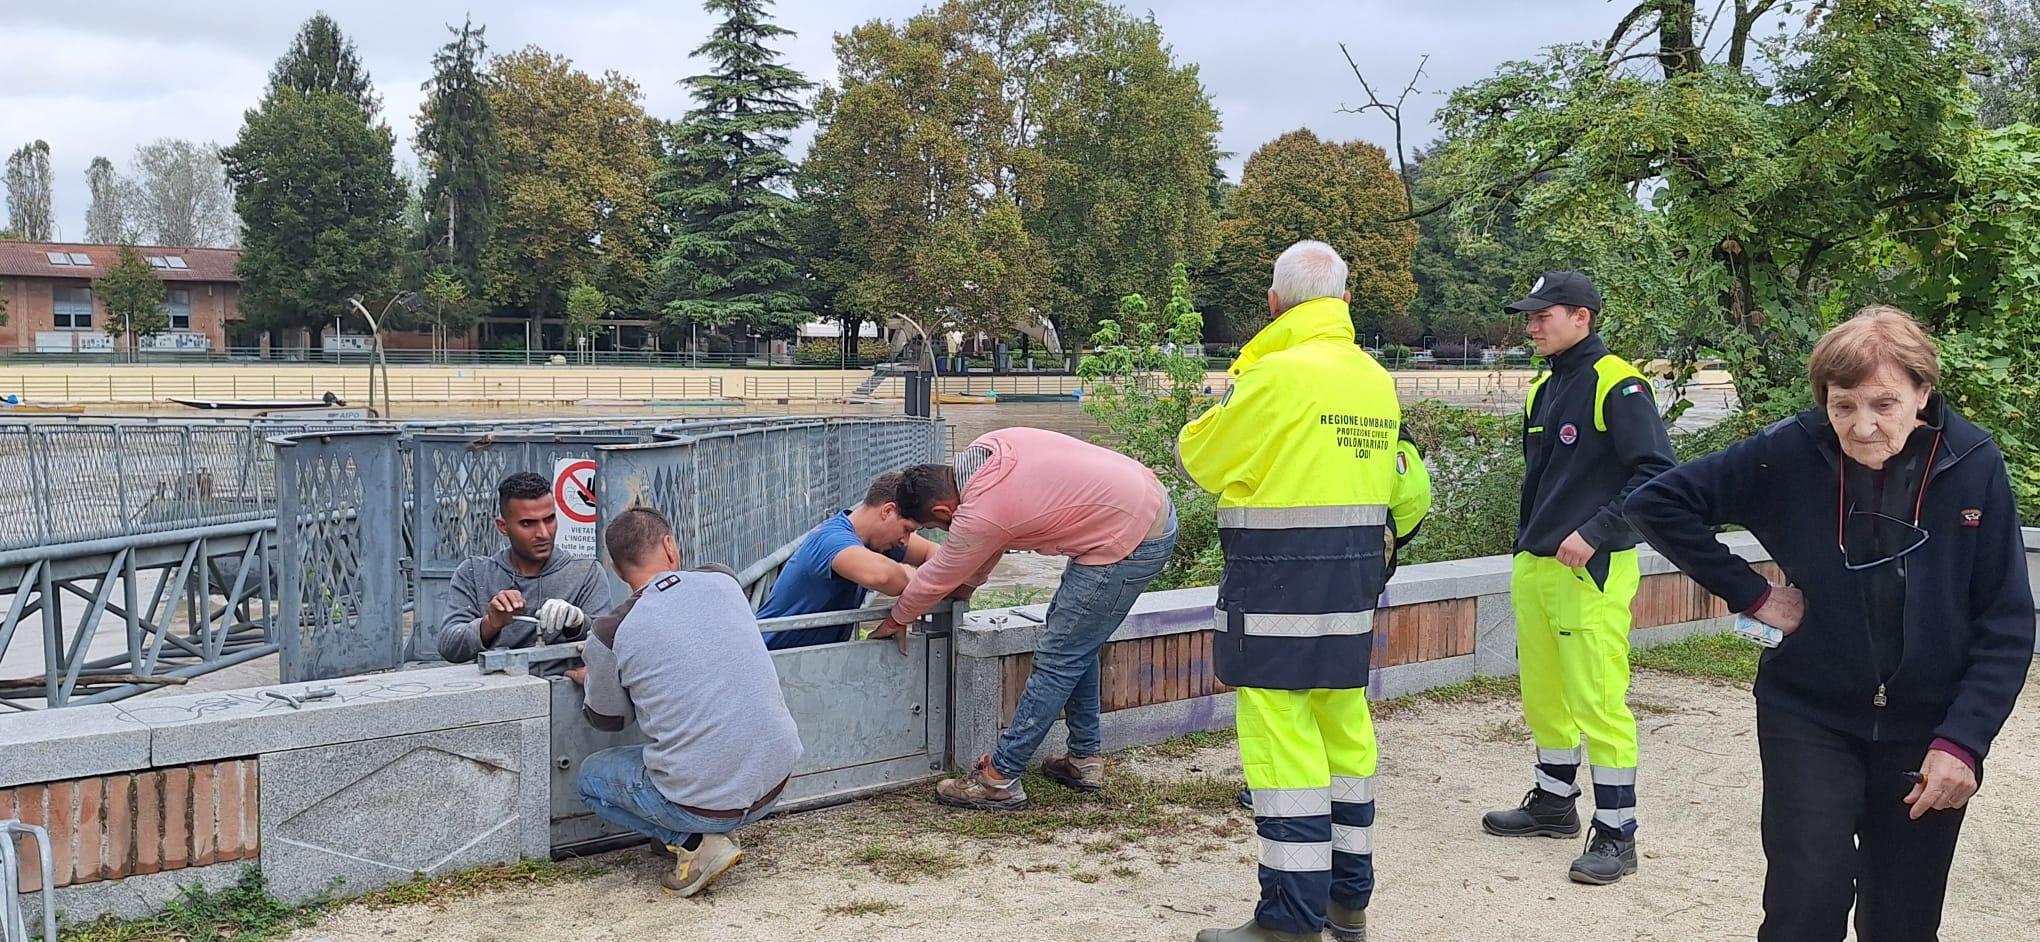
[[1085, 775], [694, 870], [982, 790]]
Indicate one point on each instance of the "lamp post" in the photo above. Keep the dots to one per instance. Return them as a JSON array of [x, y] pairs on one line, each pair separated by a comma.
[[409, 300]]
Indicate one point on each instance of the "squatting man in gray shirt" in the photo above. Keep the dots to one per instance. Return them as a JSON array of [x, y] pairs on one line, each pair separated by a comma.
[[527, 577], [685, 655]]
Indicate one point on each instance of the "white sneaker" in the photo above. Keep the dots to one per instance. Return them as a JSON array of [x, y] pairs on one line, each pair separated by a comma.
[[694, 870]]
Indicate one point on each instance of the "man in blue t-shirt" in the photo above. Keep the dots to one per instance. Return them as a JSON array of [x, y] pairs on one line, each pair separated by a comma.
[[868, 547]]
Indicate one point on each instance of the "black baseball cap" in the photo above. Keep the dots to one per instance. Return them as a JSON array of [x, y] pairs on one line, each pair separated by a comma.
[[1569, 288]]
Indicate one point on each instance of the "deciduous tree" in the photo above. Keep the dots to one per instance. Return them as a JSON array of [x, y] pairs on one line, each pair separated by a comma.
[[29, 184], [133, 298]]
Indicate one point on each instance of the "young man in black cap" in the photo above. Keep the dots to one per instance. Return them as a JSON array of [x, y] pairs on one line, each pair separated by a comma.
[[1591, 434]]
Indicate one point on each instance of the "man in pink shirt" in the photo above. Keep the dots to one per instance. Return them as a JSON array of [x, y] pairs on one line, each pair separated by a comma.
[[1045, 492]]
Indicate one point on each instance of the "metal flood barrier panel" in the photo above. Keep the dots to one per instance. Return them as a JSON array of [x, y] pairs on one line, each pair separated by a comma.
[[869, 720]]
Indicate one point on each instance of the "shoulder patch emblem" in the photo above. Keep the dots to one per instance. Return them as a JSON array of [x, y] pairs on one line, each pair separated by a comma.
[[1568, 433], [1402, 462], [666, 583], [1972, 517], [1632, 389]]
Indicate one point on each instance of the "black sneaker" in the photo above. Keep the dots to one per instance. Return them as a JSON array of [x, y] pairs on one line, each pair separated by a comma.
[[1610, 856], [1542, 814], [1246, 800]]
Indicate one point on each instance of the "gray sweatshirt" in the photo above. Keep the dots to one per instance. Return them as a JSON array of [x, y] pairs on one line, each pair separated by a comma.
[[581, 582]]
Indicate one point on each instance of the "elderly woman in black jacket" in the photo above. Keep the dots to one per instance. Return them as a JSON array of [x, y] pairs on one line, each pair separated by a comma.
[[1908, 626]]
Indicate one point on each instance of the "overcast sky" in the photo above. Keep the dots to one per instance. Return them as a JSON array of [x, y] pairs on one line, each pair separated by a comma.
[[103, 78]]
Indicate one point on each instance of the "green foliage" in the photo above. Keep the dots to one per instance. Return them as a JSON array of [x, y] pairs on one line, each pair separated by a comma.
[[734, 256], [452, 306], [1143, 392], [133, 298], [1118, 139], [317, 188], [574, 205], [829, 352], [909, 168], [584, 306], [1463, 271], [321, 61], [2009, 92], [1722, 206], [1300, 187], [1974, 283], [1476, 465], [457, 145], [29, 189], [1395, 355]]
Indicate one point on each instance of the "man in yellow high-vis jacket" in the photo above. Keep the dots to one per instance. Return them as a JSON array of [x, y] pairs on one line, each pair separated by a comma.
[[1313, 484], [1591, 435]]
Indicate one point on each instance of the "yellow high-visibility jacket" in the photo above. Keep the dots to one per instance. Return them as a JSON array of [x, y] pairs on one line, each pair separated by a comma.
[[1314, 482]]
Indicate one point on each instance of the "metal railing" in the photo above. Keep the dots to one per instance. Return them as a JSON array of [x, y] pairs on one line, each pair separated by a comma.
[[362, 538]]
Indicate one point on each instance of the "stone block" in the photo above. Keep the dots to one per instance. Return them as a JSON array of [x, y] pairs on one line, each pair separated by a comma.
[[133, 897], [351, 817], [74, 742], [1404, 679], [1142, 726], [248, 722], [1494, 637]]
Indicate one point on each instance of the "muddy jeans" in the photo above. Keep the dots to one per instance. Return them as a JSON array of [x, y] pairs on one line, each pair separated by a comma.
[[1089, 605]]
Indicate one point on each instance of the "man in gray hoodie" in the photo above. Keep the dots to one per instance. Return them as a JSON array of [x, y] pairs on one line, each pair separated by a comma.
[[526, 578]]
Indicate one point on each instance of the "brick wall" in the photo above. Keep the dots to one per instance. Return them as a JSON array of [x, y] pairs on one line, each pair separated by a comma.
[[31, 309], [1146, 671], [112, 826]]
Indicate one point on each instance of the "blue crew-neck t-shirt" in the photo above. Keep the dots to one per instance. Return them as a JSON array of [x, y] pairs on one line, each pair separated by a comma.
[[807, 585]]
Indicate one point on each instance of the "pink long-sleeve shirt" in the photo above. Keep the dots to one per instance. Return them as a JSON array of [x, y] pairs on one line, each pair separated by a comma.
[[1043, 492]]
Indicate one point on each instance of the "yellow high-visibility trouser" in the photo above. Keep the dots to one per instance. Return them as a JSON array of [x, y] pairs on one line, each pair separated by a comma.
[[1309, 756], [1572, 645]]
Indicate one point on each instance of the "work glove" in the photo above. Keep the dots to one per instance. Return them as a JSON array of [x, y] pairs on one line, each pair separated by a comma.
[[559, 618]]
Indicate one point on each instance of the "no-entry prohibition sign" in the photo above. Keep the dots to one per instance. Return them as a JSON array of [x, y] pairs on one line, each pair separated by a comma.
[[574, 497]]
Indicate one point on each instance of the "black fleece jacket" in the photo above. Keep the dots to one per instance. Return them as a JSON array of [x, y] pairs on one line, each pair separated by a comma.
[[1968, 609]]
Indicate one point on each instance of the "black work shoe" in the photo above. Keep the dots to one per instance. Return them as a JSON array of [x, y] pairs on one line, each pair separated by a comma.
[[1610, 856], [1255, 932], [1346, 925], [1246, 799], [1542, 814]]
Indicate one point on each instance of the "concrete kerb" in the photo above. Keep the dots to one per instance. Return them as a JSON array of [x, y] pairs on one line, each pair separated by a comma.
[[991, 634]]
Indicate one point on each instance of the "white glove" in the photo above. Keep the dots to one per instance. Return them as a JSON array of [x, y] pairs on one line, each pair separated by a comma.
[[556, 616]]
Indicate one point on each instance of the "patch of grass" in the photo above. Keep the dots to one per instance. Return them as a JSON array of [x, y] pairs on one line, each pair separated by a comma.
[[862, 907], [1130, 803], [1182, 747], [1125, 872], [244, 912], [1477, 690], [1720, 657], [1107, 846], [1084, 877], [902, 864], [438, 891]]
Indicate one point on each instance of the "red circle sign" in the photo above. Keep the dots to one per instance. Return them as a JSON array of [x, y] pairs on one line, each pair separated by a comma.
[[574, 491]]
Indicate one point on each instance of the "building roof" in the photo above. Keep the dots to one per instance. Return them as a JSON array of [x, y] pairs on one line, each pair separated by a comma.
[[34, 260]]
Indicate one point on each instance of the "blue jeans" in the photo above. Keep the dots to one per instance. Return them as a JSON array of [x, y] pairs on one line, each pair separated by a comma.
[[1089, 605], [615, 784]]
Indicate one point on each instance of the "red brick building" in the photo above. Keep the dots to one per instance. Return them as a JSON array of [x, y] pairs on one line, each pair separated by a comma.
[[51, 307]]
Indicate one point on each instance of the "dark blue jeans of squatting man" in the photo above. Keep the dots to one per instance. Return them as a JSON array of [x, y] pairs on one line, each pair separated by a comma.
[[1089, 605]]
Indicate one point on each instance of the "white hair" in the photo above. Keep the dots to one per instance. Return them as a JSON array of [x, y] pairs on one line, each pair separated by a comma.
[[1307, 271]]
